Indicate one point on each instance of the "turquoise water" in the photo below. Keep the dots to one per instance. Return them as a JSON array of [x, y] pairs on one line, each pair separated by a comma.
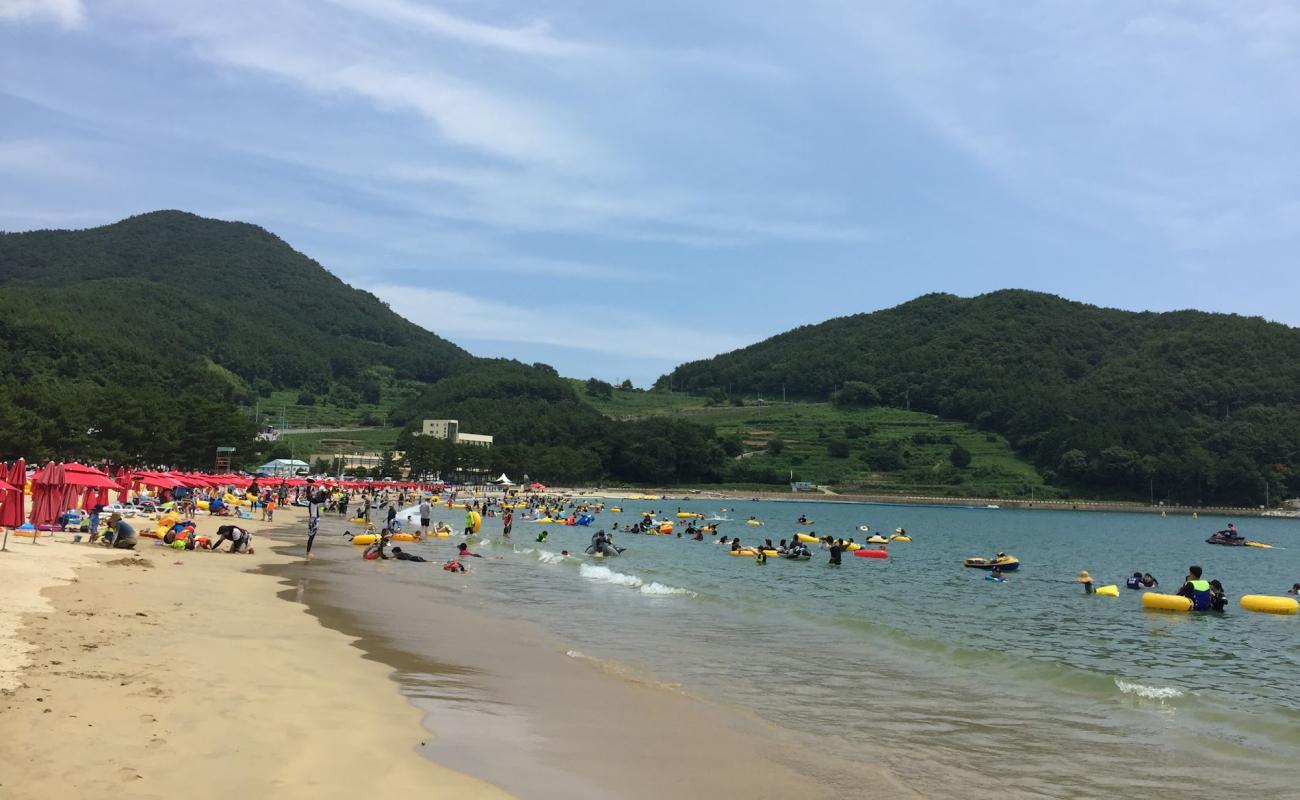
[[1028, 687]]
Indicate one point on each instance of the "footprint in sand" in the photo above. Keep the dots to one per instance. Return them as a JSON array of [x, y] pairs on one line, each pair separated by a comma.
[[129, 774]]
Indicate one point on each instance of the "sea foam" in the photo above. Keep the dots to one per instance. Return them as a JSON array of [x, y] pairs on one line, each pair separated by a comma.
[[607, 575], [1148, 692]]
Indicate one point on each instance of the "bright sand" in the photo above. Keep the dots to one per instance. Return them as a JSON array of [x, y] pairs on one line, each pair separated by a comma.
[[191, 679], [200, 679]]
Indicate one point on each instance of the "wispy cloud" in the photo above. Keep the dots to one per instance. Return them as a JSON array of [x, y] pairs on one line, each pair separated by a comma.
[[69, 13], [460, 315], [1174, 116]]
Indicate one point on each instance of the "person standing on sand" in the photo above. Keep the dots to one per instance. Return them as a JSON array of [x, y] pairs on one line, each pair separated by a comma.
[[315, 499]]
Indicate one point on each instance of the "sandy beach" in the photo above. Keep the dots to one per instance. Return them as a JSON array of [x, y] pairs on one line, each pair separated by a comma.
[[161, 673]]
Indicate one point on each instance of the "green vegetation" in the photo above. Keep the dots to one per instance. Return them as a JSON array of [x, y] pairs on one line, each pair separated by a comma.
[[870, 450], [1186, 406], [366, 440], [124, 342]]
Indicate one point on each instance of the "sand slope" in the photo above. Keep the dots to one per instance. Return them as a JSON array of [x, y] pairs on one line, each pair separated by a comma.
[[152, 678]]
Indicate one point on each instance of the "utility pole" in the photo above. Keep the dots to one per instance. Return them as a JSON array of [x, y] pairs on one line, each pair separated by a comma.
[[1153, 491], [782, 391]]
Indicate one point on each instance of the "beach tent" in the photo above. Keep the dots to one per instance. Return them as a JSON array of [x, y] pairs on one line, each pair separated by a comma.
[[504, 481], [55, 488]]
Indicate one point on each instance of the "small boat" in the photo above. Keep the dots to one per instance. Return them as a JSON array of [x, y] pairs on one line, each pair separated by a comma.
[[1005, 563]]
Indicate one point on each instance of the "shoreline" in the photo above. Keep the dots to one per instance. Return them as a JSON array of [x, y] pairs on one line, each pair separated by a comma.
[[534, 716], [149, 678], [675, 494]]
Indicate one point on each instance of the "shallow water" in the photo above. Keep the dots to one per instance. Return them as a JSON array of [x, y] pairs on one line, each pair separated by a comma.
[[1028, 687]]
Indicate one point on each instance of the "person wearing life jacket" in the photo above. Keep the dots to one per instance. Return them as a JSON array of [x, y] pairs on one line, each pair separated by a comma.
[[1197, 590], [1135, 582]]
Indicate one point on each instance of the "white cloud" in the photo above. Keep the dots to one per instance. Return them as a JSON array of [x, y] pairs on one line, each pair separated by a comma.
[[533, 39], [69, 13], [1178, 117], [584, 324]]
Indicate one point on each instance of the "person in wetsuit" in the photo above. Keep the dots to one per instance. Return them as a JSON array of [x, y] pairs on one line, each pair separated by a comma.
[[401, 556]]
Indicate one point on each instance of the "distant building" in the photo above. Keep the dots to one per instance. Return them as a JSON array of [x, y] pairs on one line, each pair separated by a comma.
[[450, 429], [284, 468]]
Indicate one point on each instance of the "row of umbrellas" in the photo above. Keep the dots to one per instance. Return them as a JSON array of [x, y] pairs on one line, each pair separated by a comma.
[[56, 488]]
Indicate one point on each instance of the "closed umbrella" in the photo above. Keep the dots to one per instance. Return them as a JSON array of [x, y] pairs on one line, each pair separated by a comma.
[[11, 512]]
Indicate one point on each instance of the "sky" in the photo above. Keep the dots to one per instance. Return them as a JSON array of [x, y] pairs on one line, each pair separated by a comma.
[[617, 188]]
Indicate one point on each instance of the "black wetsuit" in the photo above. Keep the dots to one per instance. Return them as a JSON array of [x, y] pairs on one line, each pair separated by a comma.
[[835, 553]]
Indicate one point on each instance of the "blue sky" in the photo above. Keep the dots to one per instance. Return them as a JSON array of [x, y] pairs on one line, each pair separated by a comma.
[[615, 188]]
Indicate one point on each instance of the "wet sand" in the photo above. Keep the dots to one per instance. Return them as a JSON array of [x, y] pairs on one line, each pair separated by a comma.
[[510, 704], [151, 678]]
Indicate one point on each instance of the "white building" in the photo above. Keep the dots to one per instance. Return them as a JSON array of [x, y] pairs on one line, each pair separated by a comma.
[[450, 429]]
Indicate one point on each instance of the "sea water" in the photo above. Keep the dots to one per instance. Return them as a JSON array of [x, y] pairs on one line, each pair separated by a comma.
[[1028, 687]]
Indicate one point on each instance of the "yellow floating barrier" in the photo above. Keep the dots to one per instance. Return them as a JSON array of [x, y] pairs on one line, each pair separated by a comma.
[[1109, 591], [1268, 604], [1166, 602]]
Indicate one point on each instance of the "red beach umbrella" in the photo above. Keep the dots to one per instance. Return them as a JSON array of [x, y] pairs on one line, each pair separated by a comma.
[[12, 500]]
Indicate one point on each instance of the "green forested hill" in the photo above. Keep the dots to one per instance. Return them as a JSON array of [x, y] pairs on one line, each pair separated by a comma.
[[139, 341], [132, 340], [1187, 405]]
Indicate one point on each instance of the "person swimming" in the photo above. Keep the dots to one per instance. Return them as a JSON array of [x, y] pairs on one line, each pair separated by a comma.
[[1134, 581], [1085, 579], [541, 537], [1196, 589], [1218, 599], [1149, 581], [402, 556], [995, 576], [1295, 589]]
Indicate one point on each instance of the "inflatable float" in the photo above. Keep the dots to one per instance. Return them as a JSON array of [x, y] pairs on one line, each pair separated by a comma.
[[754, 522], [1269, 604], [1006, 563], [365, 538], [689, 515], [1165, 602], [805, 538], [1107, 591], [864, 553], [876, 540], [405, 537], [900, 537]]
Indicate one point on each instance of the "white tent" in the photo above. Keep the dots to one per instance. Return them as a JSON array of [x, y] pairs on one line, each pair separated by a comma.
[[504, 481]]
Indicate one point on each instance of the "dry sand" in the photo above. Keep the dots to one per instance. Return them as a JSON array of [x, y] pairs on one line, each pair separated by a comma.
[[166, 673]]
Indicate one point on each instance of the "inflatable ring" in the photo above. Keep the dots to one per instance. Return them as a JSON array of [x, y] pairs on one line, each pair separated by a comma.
[[864, 553], [1166, 602], [1268, 604], [864, 528]]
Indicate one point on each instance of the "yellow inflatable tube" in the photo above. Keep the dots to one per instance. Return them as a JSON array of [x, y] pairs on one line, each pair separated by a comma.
[[405, 537], [1109, 591], [771, 553], [365, 538], [1268, 604], [358, 520], [803, 537], [1166, 602], [876, 540], [753, 522], [744, 551]]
